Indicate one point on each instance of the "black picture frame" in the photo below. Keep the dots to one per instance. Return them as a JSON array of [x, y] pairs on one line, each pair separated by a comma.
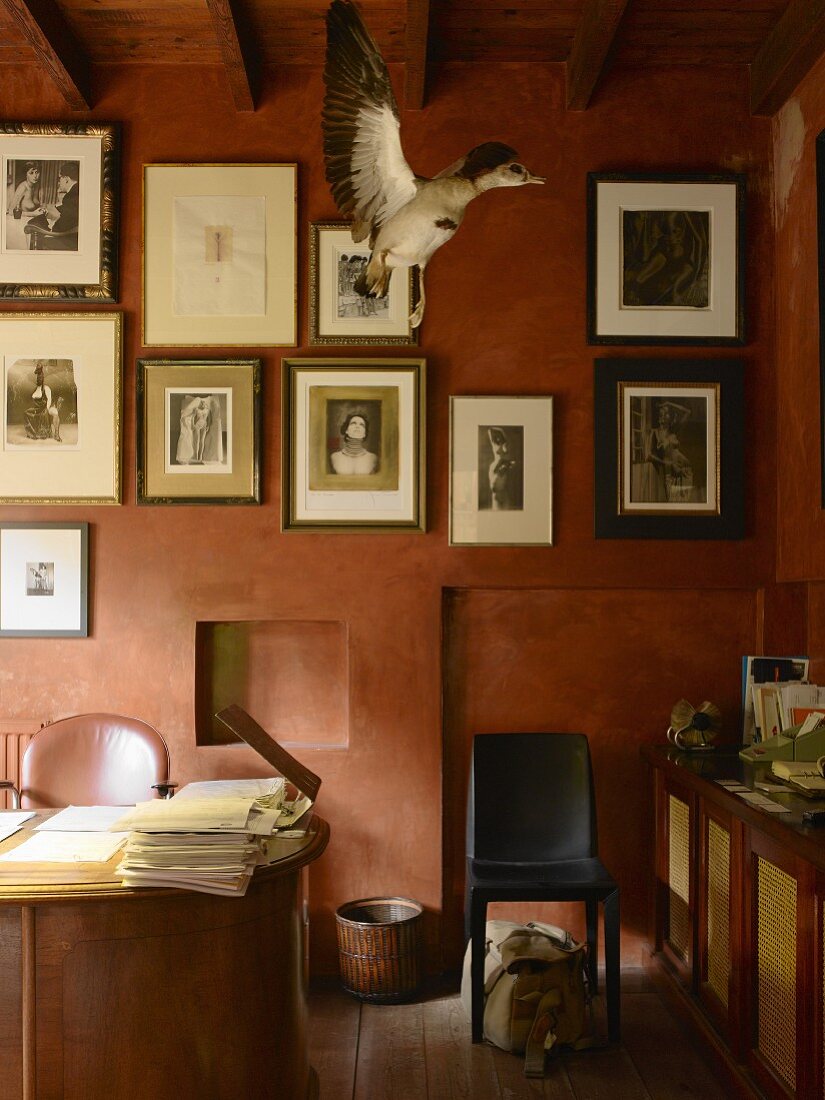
[[680, 383], [25, 272], [718, 199]]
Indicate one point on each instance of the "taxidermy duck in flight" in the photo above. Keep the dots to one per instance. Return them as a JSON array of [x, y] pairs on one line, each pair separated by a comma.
[[405, 217]]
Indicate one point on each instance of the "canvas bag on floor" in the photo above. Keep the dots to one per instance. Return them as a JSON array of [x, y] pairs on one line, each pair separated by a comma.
[[534, 990]]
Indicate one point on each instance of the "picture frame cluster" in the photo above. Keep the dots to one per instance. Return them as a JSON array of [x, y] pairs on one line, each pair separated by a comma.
[[665, 266]]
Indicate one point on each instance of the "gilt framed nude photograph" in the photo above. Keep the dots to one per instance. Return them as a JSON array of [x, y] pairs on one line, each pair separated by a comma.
[[668, 449], [59, 233], [61, 415], [501, 471], [44, 574], [219, 255], [198, 431], [666, 259], [353, 445]]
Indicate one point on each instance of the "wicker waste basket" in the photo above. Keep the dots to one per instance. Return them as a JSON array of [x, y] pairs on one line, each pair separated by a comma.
[[379, 947]]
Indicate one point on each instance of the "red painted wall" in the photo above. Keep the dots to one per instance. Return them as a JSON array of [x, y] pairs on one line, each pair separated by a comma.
[[505, 314]]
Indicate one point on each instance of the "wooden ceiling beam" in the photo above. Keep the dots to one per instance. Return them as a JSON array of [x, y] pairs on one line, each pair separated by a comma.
[[795, 44], [229, 31], [415, 53], [55, 48], [592, 43]]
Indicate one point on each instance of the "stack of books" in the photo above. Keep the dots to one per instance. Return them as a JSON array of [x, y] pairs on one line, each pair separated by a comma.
[[210, 836]]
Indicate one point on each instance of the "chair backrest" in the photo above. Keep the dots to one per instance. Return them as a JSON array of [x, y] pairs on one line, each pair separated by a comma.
[[531, 798], [93, 760]]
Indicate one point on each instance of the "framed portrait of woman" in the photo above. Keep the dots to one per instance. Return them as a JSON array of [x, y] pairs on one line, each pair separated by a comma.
[[59, 233], [668, 449], [60, 431], [198, 431], [665, 258], [353, 445]]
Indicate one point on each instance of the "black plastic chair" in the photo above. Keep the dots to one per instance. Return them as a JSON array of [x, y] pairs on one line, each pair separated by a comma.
[[531, 836]]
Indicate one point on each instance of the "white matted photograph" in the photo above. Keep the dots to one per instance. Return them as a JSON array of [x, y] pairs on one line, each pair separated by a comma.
[[58, 234], [219, 255], [44, 569], [61, 417], [501, 471], [665, 258], [338, 312], [353, 445]]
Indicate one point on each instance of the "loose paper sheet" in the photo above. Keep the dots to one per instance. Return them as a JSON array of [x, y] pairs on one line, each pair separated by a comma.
[[82, 819], [66, 848]]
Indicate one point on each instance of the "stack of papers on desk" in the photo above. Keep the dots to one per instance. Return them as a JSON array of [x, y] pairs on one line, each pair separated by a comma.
[[209, 837]]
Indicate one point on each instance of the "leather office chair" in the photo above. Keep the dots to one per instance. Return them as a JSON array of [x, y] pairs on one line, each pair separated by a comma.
[[531, 836], [92, 760]]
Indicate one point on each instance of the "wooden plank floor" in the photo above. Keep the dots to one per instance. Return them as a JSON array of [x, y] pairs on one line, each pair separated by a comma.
[[422, 1051]]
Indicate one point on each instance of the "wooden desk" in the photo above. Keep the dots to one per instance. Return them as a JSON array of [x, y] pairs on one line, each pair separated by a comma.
[[739, 921], [109, 993]]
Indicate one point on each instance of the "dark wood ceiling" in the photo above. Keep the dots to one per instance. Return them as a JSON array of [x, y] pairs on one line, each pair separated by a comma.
[[778, 40]]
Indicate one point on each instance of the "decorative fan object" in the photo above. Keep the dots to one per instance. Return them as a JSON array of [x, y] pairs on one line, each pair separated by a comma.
[[694, 730]]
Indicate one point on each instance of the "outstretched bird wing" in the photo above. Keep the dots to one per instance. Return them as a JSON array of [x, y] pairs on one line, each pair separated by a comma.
[[365, 167]]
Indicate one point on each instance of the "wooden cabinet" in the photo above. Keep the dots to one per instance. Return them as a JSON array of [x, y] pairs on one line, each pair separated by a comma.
[[738, 930]]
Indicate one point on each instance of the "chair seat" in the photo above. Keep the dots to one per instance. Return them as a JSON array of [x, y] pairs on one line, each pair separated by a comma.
[[575, 872]]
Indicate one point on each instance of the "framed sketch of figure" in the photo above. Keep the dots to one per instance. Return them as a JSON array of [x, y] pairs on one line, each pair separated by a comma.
[[44, 577], [353, 444]]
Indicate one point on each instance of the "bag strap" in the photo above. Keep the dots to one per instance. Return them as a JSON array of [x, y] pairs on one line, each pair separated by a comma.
[[541, 1038]]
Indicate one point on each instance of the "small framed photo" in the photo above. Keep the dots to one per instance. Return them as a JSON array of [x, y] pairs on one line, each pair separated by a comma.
[[338, 314], [219, 255], [501, 471], [353, 445], [665, 259], [669, 449], [59, 226], [198, 431], [44, 576], [61, 408]]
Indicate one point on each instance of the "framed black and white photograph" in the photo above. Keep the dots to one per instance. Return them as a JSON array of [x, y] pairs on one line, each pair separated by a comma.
[[668, 449], [219, 254], [338, 314], [198, 431], [61, 414], [44, 570], [353, 445], [665, 259], [58, 236], [501, 471]]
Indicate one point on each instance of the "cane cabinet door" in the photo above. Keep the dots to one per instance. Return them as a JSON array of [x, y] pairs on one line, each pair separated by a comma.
[[676, 852]]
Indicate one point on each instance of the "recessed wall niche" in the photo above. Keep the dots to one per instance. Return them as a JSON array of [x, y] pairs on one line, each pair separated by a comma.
[[291, 676]]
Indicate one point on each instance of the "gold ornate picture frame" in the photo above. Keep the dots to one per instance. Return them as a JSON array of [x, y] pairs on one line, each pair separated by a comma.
[[337, 313], [60, 430], [59, 231]]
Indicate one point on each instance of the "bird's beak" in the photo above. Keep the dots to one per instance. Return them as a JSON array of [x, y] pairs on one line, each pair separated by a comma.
[[534, 179]]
